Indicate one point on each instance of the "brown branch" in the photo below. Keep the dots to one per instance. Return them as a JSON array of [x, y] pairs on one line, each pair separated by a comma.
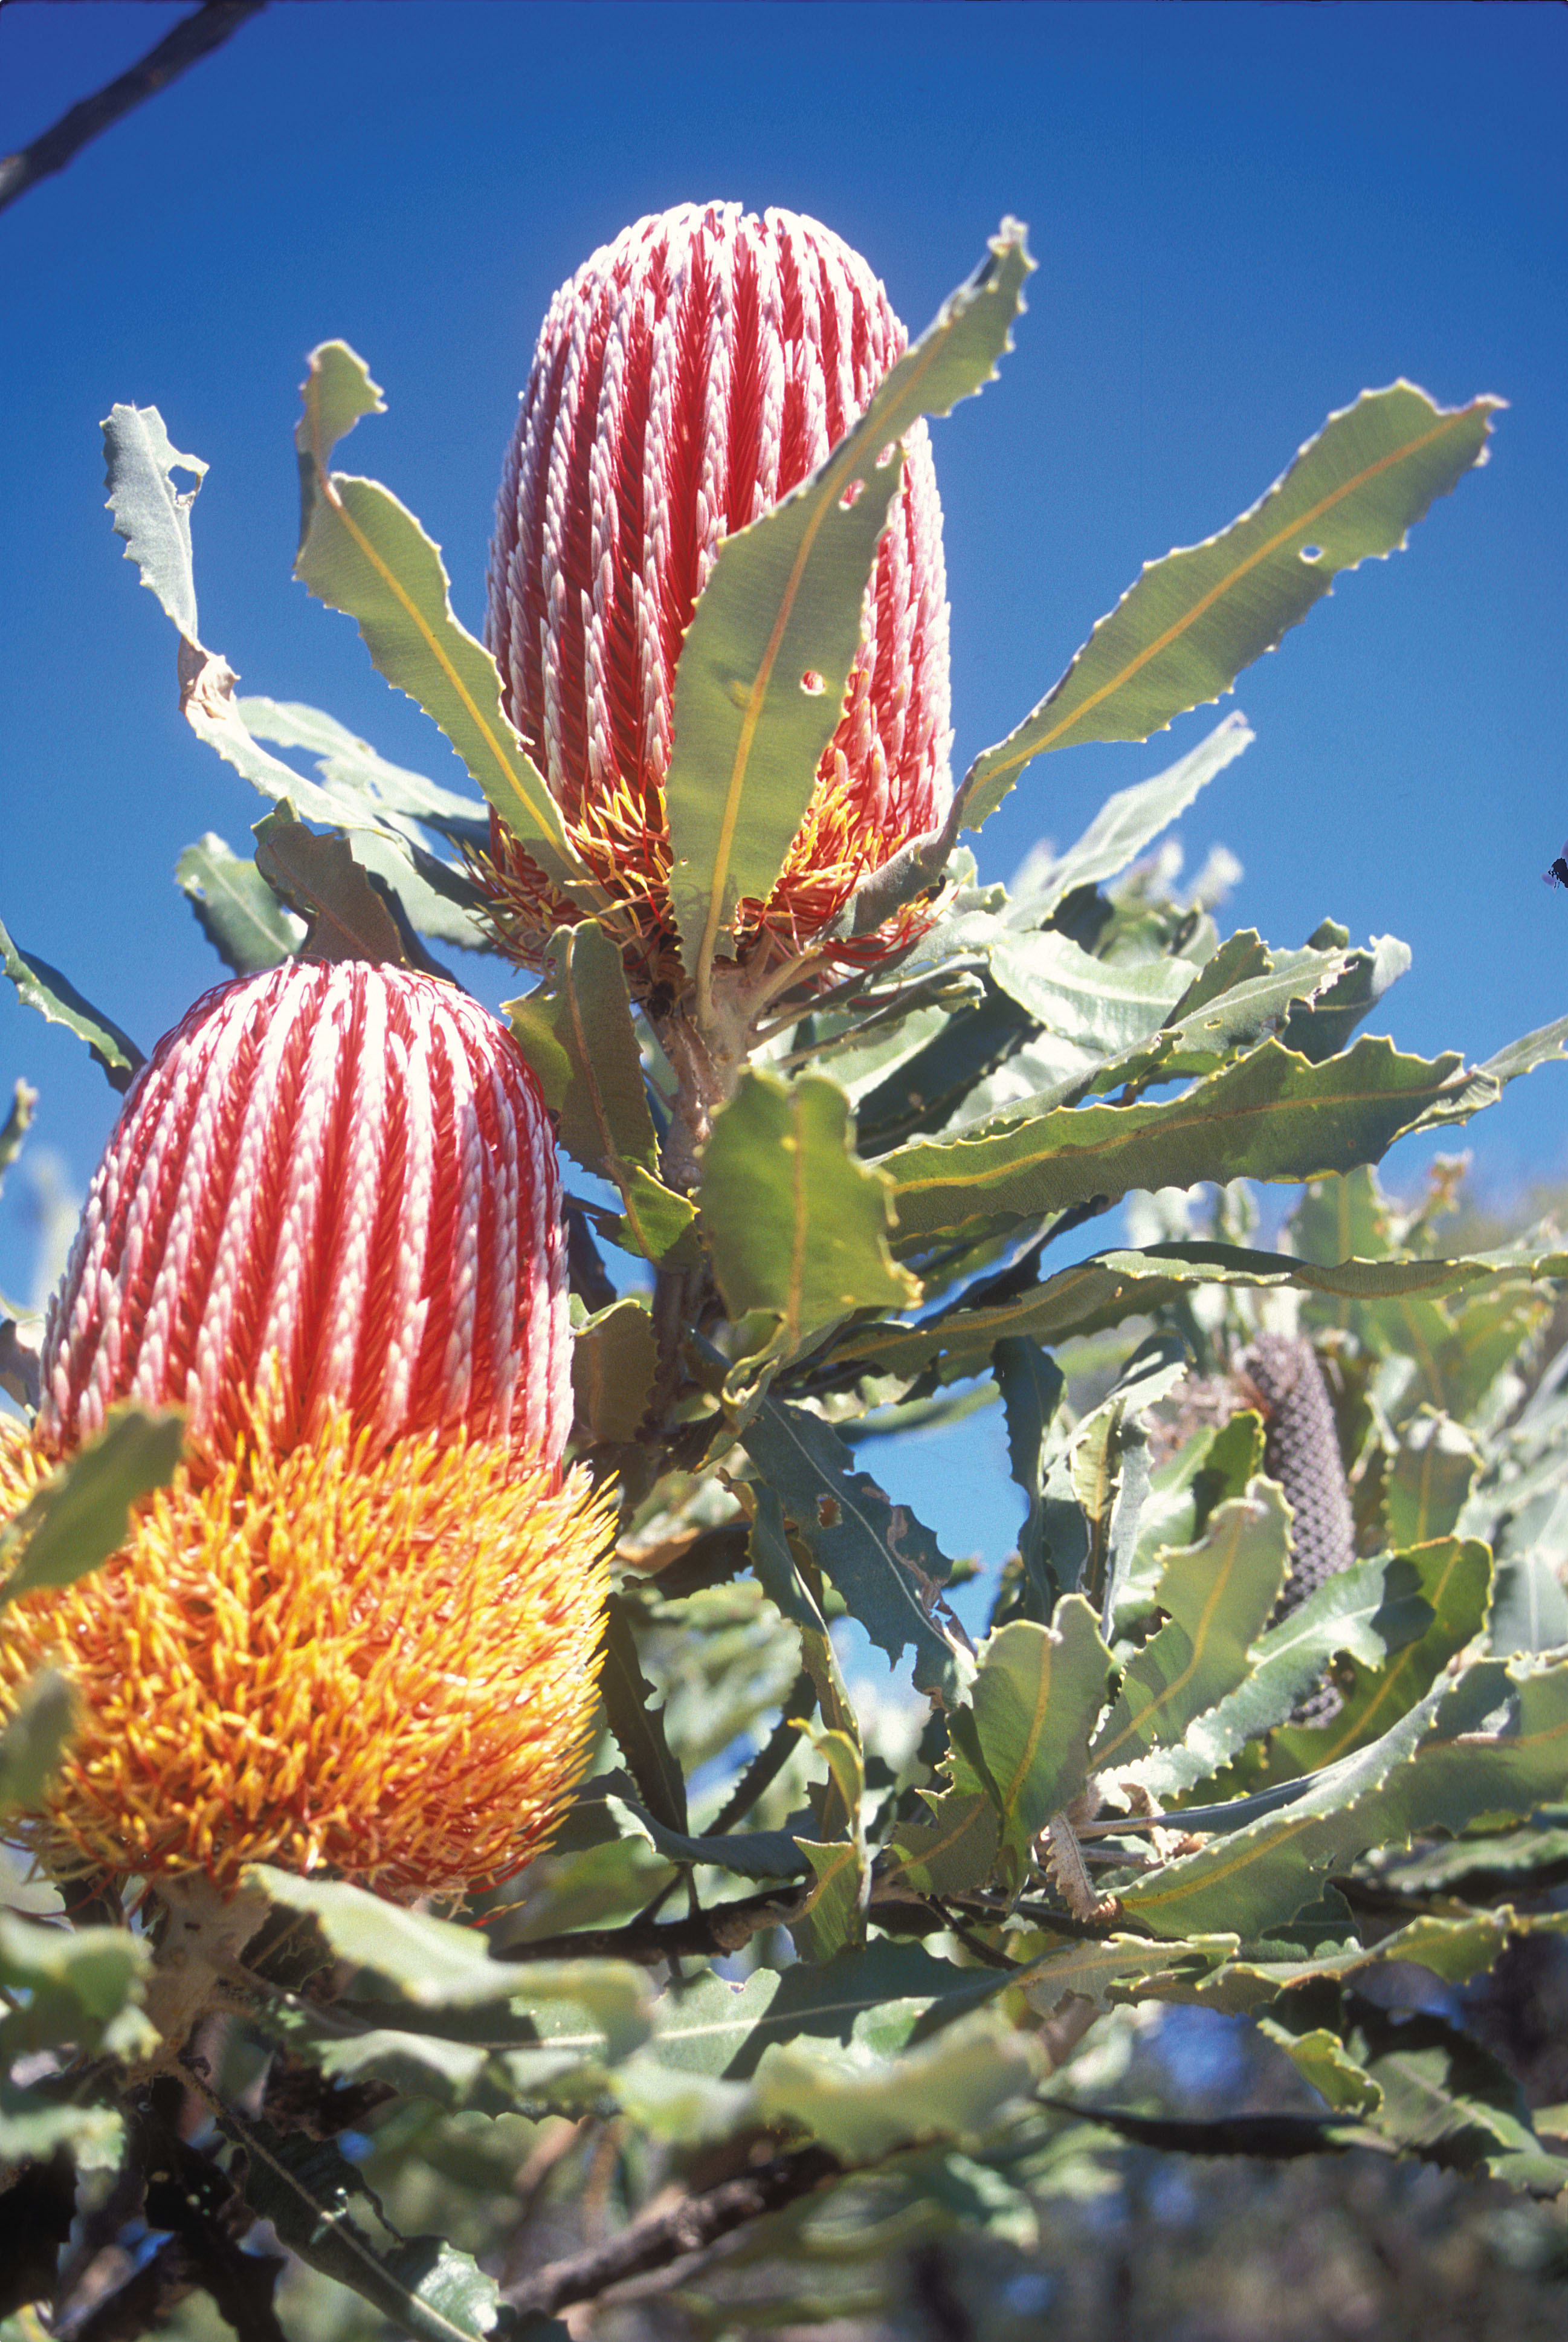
[[705, 1934], [691, 2226], [195, 36]]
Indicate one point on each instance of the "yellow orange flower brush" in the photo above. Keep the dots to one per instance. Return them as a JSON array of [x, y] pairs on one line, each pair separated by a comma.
[[360, 1630]]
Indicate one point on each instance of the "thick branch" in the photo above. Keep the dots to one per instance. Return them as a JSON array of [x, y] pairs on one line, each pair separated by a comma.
[[689, 2226], [205, 29]]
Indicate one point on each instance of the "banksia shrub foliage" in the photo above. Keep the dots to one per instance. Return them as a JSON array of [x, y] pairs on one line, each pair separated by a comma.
[[689, 375], [360, 1629], [1269, 1703]]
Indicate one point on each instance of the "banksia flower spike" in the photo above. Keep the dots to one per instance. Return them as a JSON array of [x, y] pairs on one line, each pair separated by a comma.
[[687, 377], [360, 1629], [331, 1186]]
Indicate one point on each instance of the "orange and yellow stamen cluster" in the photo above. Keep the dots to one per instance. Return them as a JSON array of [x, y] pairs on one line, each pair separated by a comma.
[[378, 1661]]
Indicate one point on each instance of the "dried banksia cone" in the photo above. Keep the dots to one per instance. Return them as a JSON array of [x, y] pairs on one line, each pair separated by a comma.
[[330, 1185], [1301, 1451], [687, 377], [361, 1628]]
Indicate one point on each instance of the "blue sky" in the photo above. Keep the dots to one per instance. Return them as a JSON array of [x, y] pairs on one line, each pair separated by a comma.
[[1243, 216]]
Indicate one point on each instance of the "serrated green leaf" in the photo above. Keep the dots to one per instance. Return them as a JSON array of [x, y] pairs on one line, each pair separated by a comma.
[[81, 1986], [305, 2187], [150, 512], [1185, 631], [1132, 819], [235, 908], [575, 1031], [796, 1225], [761, 1855], [614, 1358], [783, 601], [437, 1965], [1433, 1473], [1100, 1005], [350, 767], [1217, 1596], [1032, 1385], [950, 2087], [320, 877], [435, 899], [34, 1739], [1319, 1028], [864, 2004], [1270, 1116], [1453, 1579], [1437, 1768], [1110, 1286], [1038, 1693], [638, 1725], [1322, 2059], [1117, 1968], [1370, 1611], [955, 1850], [1444, 2099], [832, 1915], [58, 1001], [883, 1561], [778, 1574], [79, 1517], [362, 552]]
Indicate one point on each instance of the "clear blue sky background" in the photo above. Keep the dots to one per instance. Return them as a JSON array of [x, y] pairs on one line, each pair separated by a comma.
[[1243, 215]]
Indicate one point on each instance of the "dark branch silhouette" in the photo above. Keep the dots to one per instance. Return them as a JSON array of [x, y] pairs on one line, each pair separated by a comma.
[[693, 2226], [205, 29]]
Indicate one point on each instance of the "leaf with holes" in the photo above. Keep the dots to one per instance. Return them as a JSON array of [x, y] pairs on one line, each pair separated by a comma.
[[150, 512], [1183, 633], [783, 604]]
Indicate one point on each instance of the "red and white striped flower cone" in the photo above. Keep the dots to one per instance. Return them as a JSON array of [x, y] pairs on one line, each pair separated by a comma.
[[688, 376]]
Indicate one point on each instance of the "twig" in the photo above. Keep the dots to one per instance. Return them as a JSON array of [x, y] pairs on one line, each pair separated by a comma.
[[194, 37], [708, 1934], [690, 2227]]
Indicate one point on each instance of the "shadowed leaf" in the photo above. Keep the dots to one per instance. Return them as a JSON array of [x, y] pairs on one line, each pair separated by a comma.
[[80, 1516], [57, 1000], [235, 908]]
